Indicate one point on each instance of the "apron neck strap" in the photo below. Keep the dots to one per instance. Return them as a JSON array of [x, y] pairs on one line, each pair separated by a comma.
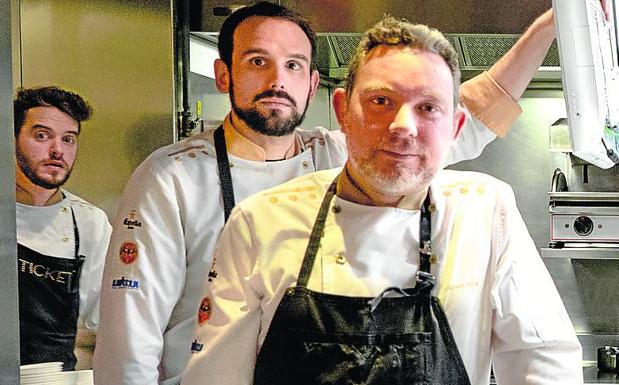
[[76, 233], [317, 233], [225, 178], [425, 235]]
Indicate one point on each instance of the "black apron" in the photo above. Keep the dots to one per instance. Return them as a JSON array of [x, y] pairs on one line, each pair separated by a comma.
[[48, 305], [318, 338]]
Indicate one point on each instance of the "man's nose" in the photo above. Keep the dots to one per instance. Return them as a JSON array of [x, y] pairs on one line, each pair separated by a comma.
[[56, 149], [404, 122], [277, 78]]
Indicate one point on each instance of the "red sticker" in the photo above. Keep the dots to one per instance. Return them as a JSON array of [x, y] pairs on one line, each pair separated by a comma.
[[128, 252], [204, 313]]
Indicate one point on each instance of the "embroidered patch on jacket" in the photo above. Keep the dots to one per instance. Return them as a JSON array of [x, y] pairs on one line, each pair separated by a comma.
[[132, 221], [128, 252], [125, 283], [196, 347], [212, 275], [204, 313]]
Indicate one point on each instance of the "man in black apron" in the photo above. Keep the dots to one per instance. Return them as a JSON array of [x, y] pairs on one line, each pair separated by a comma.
[[344, 292], [52, 244]]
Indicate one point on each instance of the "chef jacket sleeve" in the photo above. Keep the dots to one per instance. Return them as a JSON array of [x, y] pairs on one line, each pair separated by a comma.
[[229, 337], [490, 111], [533, 338], [98, 233], [143, 282], [95, 238]]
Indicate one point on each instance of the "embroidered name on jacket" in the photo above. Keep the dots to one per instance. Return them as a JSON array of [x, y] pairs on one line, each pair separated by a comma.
[[124, 283], [44, 271], [131, 221]]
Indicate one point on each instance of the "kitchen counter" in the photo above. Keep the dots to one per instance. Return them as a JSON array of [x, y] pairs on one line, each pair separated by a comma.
[[593, 376]]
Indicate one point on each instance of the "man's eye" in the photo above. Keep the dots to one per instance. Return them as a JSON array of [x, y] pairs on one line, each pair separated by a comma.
[[381, 101], [41, 135], [293, 65], [70, 139], [429, 108], [258, 61]]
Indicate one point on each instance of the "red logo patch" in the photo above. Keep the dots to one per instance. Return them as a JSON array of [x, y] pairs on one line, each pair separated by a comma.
[[128, 252], [204, 313]]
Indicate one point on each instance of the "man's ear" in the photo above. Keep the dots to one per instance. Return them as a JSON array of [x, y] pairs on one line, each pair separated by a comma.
[[314, 81], [340, 107], [222, 76], [459, 120]]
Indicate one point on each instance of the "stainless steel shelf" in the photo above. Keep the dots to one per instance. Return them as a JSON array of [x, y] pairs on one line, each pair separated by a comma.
[[581, 252]]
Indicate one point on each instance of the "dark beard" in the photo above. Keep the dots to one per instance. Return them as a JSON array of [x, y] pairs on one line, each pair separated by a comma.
[[28, 171], [274, 124]]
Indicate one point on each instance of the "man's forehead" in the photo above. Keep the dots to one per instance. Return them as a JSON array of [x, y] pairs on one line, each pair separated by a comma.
[[404, 67], [50, 117], [256, 31]]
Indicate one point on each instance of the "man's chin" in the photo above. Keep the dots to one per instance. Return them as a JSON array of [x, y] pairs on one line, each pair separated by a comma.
[[50, 182]]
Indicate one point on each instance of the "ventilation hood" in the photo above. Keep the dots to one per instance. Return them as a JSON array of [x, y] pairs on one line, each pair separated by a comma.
[[480, 30]]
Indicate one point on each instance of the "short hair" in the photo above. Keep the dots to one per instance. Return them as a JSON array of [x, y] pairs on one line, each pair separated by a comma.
[[66, 101], [400, 32], [225, 43]]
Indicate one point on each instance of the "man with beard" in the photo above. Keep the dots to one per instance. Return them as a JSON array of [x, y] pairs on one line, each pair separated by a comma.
[[62, 239], [176, 202], [347, 291]]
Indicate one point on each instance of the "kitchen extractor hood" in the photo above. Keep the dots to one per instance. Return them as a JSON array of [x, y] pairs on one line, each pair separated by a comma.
[[480, 30], [476, 53]]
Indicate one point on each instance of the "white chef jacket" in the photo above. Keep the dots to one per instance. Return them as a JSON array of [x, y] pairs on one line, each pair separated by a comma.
[[498, 296], [49, 231], [145, 337]]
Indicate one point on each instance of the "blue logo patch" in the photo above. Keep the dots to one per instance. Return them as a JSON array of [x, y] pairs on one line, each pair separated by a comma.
[[124, 283], [196, 346]]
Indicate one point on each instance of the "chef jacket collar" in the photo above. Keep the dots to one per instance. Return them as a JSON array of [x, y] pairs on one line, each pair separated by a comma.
[[348, 190]]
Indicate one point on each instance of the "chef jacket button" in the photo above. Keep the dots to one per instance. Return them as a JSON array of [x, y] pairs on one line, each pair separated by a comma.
[[192, 155], [432, 207], [65, 238], [336, 209], [306, 164], [340, 259], [231, 164], [433, 258], [64, 209]]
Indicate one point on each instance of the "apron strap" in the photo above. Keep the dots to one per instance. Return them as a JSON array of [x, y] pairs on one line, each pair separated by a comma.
[[317, 233], [74, 280], [425, 236], [225, 178]]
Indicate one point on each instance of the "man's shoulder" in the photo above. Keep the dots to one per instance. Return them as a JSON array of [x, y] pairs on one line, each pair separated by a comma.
[[189, 153], [449, 181], [83, 208], [187, 149], [319, 133], [308, 187]]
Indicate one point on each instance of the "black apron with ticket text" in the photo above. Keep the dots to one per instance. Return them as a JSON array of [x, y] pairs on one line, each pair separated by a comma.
[[319, 338], [48, 305]]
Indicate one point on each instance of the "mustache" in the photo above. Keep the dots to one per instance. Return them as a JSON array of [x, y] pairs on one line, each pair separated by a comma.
[[276, 94]]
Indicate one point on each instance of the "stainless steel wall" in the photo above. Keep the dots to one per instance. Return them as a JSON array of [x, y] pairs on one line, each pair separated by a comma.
[[119, 55], [9, 354], [523, 160]]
